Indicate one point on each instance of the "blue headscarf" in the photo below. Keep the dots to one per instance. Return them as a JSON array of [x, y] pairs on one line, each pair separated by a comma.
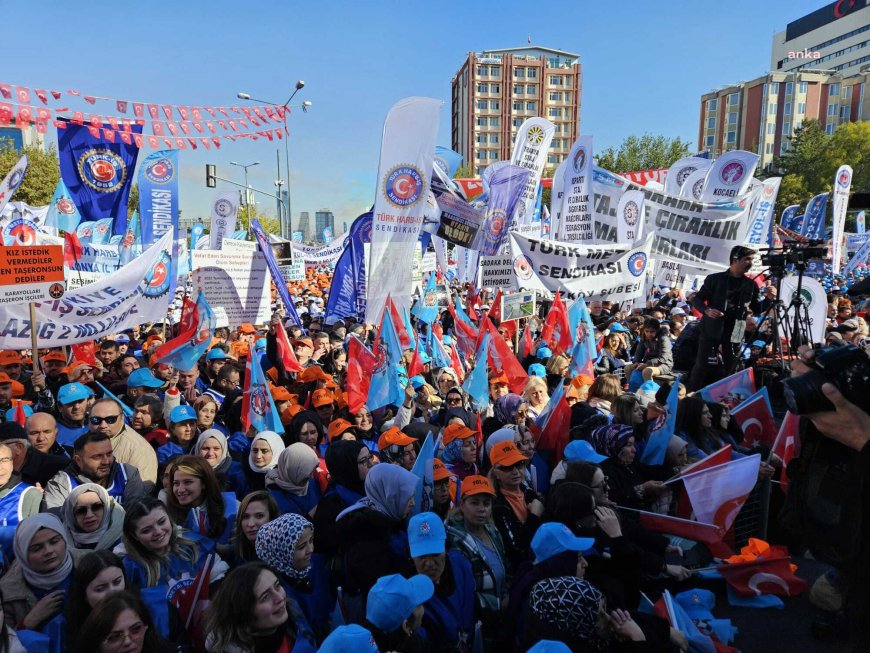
[[505, 408], [388, 490]]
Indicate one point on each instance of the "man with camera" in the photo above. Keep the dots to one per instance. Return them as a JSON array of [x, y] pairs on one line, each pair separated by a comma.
[[828, 504], [725, 300]]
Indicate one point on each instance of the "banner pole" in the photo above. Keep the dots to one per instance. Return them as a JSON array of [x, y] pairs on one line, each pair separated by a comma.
[[34, 354]]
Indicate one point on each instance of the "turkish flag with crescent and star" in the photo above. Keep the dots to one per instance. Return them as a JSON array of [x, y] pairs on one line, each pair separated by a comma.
[[764, 576], [755, 417]]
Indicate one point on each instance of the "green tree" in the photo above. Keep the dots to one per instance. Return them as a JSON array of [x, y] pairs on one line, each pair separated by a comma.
[[806, 158], [850, 144], [792, 190], [645, 152], [270, 223], [133, 200], [43, 172], [464, 172]]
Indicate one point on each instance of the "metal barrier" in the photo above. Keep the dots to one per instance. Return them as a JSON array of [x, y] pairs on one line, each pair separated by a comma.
[[752, 519]]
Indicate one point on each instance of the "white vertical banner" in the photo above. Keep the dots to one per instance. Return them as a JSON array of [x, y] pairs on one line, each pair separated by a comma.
[[576, 222], [14, 177], [441, 259], [556, 194], [693, 186], [729, 176], [224, 210], [629, 217], [679, 172], [842, 185], [814, 298], [761, 216], [407, 154], [530, 152]]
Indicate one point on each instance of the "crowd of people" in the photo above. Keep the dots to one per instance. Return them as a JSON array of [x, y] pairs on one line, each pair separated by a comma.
[[125, 482]]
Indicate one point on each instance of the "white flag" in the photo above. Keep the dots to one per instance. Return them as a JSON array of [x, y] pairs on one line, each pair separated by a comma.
[[407, 154], [718, 493], [629, 217], [729, 176], [842, 185], [556, 194], [679, 172], [693, 186], [223, 217], [530, 151], [761, 216], [576, 218], [13, 180]]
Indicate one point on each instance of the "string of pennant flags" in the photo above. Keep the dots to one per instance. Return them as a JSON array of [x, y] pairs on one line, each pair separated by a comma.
[[196, 126]]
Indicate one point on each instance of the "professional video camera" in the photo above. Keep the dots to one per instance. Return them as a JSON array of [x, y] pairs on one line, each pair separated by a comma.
[[797, 254], [844, 365]]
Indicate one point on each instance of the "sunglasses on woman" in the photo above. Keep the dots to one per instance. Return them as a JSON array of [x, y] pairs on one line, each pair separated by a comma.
[[84, 509]]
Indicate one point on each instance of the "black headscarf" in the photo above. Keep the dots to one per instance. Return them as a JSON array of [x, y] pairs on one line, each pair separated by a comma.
[[461, 413], [300, 420], [341, 460]]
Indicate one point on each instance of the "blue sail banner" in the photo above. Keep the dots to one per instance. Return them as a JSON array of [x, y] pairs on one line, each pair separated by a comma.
[[787, 219], [505, 188], [814, 221], [347, 297], [98, 173], [158, 195], [277, 277]]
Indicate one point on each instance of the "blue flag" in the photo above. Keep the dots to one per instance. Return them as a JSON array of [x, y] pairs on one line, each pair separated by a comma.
[[277, 277], [347, 296], [698, 642], [582, 329], [127, 410], [476, 384], [505, 187], [130, 239], [788, 216], [95, 233], [62, 213], [158, 195], [98, 173], [448, 160], [423, 469], [258, 407], [661, 432], [194, 335], [814, 217], [426, 309], [436, 350]]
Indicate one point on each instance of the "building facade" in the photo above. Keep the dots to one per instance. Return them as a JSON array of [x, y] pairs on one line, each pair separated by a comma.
[[494, 91], [304, 226], [322, 218], [761, 115], [835, 38], [20, 137]]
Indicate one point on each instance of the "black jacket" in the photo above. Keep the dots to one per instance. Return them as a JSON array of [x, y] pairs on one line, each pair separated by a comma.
[[39, 467], [714, 294]]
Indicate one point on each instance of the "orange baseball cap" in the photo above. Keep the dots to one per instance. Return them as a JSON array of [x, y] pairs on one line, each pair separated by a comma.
[[581, 380], [54, 356], [476, 484], [499, 379], [439, 471], [10, 357], [289, 413], [4, 378], [307, 342], [247, 329], [321, 398], [393, 436], [504, 454], [18, 390], [75, 365], [312, 373], [280, 393], [337, 427], [456, 432]]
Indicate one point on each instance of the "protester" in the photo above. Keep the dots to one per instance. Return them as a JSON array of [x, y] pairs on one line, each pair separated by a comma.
[[115, 620], [256, 509], [93, 519]]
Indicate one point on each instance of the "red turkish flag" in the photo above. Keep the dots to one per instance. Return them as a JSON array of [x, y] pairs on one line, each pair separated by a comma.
[[764, 576], [59, 124], [74, 93], [556, 331], [415, 367], [22, 94], [180, 144], [192, 142], [260, 114], [125, 137], [210, 125], [184, 113], [223, 111], [184, 127], [153, 111], [243, 124], [222, 124], [43, 114], [786, 445], [25, 114], [172, 127], [206, 143], [128, 125], [6, 91], [154, 142], [501, 357], [755, 418], [41, 94], [285, 349], [41, 127], [169, 143], [195, 113], [56, 94], [167, 110], [211, 111], [113, 121], [72, 249], [157, 128], [279, 134], [217, 142], [139, 140], [198, 127], [85, 352], [121, 106], [138, 109], [95, 131], [708, 534], [360, 368], [96, 120], [90, 99], [234, 126], [684, 506], [526, 342], [109, 135]]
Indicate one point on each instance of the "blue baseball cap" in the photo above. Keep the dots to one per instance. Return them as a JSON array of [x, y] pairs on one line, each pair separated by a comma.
[[426, 535], [73, 392], [393, 599], [417, 381], [544, 352], [260, 344], [447, 340], [536, 369], [582, 451], [759, 343], [554, 538], [121, 338], [143, 378], [549, 646], [10, 414], [616, 327], [216, 354], [181, 414], [425, 358], [349, 639]]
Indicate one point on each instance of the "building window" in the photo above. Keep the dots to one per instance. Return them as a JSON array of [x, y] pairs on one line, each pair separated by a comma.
[[495, 105], [832, 109], [829, 128], [519, 72], [731, 137], [481, 122], [482, 71], [493, 139], [768, 149], [482, 88], [710, 141], [771, 128], [481, 139], [532, 73], [493, 154], [711, 122], [802, 87], [733, 99], [531, 106], [518, 106], [519, 89], [802, 108], [481, 104], [772, 109], [845, 113], [516, 122], [553, 158], [774, 88], [786, 108], [556, 80], [494, 122], [554, 112], [556, 96], [531, 89], [834, 90], [495, 88], [732, 118], [789, 88], [786, 128], [481, 154], [711, 104]]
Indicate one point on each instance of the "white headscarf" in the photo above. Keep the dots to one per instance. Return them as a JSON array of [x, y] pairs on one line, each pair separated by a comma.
[[276, 444], [111, 527], [225, 461], [293, 471], [24, 534]]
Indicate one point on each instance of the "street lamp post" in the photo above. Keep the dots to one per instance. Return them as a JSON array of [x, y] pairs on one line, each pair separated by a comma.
[[247, 188], [287, 218]]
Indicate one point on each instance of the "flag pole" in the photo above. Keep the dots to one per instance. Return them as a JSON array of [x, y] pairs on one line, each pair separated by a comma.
[[34, 355]]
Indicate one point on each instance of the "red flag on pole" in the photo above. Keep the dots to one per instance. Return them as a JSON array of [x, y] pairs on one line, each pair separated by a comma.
[[285, 350], [556, 331], [360, 368], [72, 249]]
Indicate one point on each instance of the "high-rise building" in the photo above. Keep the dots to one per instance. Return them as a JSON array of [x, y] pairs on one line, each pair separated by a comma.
[[21, 137], [835, 38], [323, 218], [494, 91], [304, 226], [761, 115]]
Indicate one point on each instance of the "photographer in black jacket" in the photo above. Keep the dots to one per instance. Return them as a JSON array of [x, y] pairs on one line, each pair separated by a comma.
[[726, 299]]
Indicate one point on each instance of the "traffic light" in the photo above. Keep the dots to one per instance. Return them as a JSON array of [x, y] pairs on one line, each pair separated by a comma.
[[210, 175]]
